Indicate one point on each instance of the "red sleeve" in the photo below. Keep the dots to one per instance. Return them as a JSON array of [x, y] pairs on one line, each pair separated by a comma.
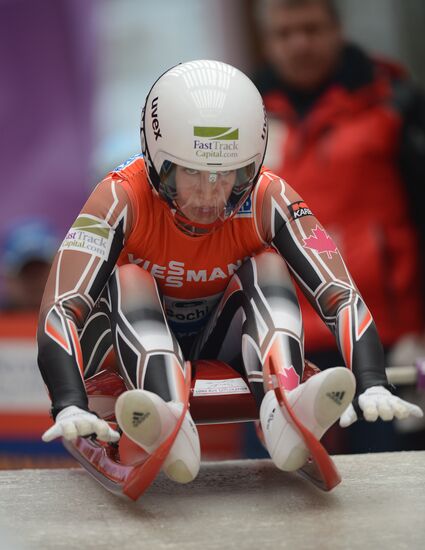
[[81, 268]]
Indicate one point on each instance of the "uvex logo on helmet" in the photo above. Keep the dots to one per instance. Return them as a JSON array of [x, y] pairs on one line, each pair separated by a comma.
[[155, 122], [264, 132]]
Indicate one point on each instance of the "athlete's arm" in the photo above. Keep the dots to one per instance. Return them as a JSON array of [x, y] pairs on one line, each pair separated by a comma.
[[288, 224], [79, 272]]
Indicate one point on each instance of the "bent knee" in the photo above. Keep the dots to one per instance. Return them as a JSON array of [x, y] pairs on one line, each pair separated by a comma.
[[136, 284], [132, 273], [270, 263]]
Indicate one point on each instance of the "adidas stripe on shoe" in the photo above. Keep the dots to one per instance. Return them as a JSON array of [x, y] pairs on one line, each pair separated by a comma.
[[148, 420]]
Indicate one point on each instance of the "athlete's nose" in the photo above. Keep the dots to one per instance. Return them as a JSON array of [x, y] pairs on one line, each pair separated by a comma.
[[208, 189]]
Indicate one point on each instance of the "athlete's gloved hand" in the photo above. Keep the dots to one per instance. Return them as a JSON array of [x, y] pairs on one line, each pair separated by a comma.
[[377, 402], [73, 422]]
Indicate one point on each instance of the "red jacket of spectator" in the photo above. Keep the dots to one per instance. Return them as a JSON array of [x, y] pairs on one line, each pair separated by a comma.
[[339, 148]]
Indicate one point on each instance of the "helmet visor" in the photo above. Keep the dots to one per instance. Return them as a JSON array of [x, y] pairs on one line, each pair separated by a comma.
[[205, 197]]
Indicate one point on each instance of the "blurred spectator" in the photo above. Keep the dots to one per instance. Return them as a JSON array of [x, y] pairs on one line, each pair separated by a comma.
[[348, 133], [26, 259], [347, 130]]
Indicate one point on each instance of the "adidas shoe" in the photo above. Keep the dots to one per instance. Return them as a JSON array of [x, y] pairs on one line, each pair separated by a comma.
[[148, 420], [318, 403]]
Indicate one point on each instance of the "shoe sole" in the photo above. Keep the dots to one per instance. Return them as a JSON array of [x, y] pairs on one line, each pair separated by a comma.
[[333, 397], [137, 415]]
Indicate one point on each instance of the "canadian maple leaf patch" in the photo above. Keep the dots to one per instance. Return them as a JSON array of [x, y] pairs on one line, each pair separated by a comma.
[[320, 241], [289, 378]]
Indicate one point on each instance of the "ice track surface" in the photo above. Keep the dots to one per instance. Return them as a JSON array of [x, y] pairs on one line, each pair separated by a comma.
[[238, 504]]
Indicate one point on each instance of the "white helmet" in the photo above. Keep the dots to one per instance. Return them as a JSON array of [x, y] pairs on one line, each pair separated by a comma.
[[203, 125]]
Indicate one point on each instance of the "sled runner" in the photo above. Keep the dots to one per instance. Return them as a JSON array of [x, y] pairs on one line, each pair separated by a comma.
[[320, 469], [216, 394], [124, 468]]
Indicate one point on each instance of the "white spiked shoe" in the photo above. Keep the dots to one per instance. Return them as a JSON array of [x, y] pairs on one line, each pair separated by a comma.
[[147, 420], [318, 403]]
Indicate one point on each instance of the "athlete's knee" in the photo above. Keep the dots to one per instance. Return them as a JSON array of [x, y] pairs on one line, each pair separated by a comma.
[[133, 277], [132, 273], [273, 265], [272, 276], [137, 288], [277, 288]]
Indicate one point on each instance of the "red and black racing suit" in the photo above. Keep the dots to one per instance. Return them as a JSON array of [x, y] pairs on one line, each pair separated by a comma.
[[127, 281]]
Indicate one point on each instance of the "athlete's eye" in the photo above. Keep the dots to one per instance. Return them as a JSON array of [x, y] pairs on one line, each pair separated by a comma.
[[191, 172]]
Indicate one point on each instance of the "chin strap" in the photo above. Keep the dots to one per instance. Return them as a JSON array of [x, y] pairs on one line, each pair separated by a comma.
[[191, 228]]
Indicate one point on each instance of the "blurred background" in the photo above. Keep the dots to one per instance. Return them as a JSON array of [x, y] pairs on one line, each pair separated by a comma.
[[74, 77]]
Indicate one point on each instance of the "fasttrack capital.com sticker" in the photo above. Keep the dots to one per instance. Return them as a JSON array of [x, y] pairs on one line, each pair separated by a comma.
[[89, 234]]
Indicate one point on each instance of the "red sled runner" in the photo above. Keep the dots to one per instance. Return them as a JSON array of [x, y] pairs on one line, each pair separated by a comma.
[[216, 394]]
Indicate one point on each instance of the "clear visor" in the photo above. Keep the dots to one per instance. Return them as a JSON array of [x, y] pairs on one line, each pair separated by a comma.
[[205, 197]]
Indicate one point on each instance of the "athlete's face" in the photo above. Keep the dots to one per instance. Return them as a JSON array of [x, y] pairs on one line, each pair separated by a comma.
[[201, 195]]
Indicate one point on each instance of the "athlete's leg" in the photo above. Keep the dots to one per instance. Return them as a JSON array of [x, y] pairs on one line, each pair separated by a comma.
[[151, 362], [128, 318], [148, 354], [259, 318], [128, 323]]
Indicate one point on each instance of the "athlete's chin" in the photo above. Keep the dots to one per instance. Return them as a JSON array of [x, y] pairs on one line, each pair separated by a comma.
[[203, 215]]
